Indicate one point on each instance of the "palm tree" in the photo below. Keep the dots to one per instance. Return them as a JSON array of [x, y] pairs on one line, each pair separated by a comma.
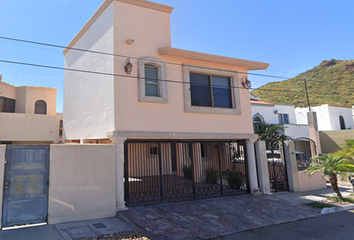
[[347, 151], [272, 134], [331, 165]]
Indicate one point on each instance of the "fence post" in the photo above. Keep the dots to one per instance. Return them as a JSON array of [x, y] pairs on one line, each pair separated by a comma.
[[119, 156], [291, 166], [251, 163], [262, 167]]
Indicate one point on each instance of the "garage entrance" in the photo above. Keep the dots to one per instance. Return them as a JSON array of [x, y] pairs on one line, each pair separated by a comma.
[[163, 171]]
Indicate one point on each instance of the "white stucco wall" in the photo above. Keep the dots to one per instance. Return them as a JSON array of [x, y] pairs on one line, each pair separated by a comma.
[[2, 166], [88, 110], [82, 182], [327, 117], [296, 130], [346, 113], [267, 112]]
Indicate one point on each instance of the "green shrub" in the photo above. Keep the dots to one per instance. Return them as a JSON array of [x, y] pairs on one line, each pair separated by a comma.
[[187, 172], [234, 179], [211, 176]]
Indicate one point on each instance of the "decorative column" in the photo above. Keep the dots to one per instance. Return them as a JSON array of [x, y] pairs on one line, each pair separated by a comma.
[[251, 163], [262, 167], [291, 166], [119, 156]]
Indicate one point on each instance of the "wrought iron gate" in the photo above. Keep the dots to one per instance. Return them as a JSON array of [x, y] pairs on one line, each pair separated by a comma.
[[25, 185], [162, 171], [278, 176]]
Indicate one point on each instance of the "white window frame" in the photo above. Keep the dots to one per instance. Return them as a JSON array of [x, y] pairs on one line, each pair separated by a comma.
[[234, 84], [162, 83], [281, 118]]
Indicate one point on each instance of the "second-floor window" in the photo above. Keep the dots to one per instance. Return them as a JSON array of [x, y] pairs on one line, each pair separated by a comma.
[[7, 105], [40, 107], [210, 91], [151, 81], [283, 118]]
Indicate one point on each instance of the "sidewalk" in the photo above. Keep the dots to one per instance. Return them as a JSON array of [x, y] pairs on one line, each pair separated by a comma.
[[301, 198], [205, 218]]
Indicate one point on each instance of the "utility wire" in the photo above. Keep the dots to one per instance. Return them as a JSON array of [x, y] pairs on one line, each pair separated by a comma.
[[112, 74], [124, 56]]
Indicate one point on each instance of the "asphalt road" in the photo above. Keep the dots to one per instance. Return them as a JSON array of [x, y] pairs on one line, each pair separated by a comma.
[[333, 226]]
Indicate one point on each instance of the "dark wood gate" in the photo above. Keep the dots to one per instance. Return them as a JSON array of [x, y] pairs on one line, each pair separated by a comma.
[[278, 176], [25, 185], [163, 171]]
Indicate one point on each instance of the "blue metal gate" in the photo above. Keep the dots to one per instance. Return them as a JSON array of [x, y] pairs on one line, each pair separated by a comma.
[[25, 185]]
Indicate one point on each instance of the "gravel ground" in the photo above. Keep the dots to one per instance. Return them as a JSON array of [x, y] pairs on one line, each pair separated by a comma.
[[136, 235]]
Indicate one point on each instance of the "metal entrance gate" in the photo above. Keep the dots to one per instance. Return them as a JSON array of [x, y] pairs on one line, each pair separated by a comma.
[[278, 176], [162, 171], [25, 185]]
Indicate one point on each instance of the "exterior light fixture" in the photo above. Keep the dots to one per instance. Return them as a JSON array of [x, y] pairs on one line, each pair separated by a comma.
[[246, 83], [128, 67]]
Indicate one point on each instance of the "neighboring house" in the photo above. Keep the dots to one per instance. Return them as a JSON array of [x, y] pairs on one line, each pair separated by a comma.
[[28, 115], [177, 110], [329, 118], [265, 112]]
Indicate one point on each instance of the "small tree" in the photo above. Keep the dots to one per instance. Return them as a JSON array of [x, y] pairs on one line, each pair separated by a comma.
[[331, 165], [272, 134]]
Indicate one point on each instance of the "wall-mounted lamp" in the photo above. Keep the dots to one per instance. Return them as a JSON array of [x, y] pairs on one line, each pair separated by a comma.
[[128, 67], [129, 41], [246, 83], [275, 111]]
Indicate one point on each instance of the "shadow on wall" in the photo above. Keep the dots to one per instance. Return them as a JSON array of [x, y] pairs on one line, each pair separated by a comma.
[[331, 141]]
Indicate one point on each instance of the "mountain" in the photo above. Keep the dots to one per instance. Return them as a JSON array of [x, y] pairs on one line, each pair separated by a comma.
[[331, 82]]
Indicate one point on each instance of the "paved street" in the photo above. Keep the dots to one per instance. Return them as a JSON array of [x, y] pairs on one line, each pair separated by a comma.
[[332, 226]]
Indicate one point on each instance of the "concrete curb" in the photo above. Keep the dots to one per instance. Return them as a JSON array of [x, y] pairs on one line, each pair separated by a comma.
[[337, 209]]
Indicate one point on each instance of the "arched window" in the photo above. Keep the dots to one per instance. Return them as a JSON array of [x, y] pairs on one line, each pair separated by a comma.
[[151, 88], [341, 122], [257, 120], [40, 107]]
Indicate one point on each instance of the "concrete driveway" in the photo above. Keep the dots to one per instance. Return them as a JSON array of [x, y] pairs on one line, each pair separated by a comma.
[[214, 217]]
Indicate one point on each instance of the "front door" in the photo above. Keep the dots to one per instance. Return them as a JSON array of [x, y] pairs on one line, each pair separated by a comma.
[[25, 185]]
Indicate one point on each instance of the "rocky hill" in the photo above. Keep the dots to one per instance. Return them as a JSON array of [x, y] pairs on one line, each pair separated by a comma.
[[331, 82]]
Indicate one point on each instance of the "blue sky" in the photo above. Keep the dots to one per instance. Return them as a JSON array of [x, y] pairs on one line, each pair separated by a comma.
[[292, 35]]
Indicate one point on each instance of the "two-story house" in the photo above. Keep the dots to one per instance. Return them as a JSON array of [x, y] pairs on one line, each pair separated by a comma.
[[269, 113], [28, 115], [329, 118], [177, 117]]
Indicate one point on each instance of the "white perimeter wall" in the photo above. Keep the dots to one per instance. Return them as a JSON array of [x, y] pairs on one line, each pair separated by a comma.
[[82, 182], [88, 110], [2, 165]]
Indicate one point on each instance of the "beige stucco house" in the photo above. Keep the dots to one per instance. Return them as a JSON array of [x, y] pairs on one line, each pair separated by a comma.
[[28, 115], [174, 110]]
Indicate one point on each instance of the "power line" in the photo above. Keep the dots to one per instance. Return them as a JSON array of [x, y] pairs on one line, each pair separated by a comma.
[[124, 56], [107, 74]]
